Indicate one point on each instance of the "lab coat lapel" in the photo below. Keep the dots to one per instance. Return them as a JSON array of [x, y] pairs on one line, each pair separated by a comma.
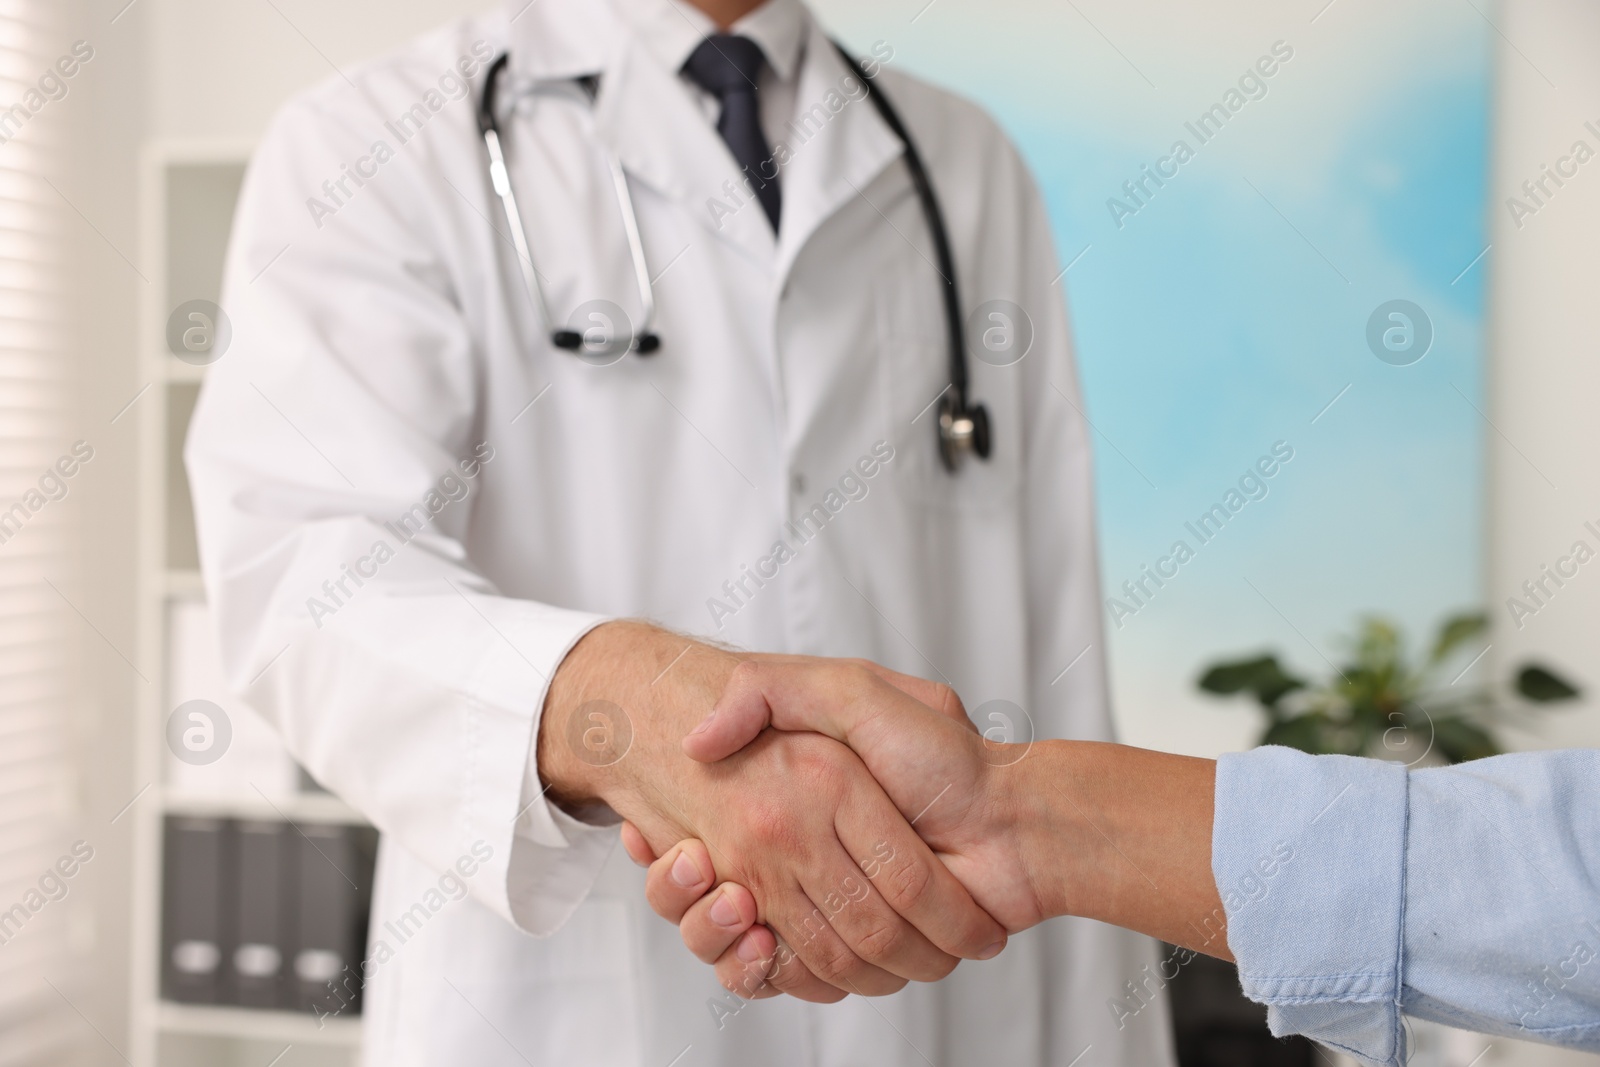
[[837, 143], [648, 119]]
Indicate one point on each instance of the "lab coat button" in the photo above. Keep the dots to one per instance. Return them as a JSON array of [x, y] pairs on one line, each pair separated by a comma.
[[797, 483]]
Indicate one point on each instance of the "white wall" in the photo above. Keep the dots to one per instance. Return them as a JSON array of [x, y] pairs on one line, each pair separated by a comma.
[[219, 68], [1544, 370], [1544, 374]]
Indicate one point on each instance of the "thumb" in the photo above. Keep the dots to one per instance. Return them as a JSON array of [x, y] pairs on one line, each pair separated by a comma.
[[936, 695], [846, 702], [739, 715]]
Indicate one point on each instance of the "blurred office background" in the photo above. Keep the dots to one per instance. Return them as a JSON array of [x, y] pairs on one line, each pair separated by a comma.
[[1216, 315]]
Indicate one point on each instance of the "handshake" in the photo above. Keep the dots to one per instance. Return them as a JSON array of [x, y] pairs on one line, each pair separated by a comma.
[[835, 827]]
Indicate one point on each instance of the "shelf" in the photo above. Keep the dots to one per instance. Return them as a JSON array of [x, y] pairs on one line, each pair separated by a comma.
[[295, 807], [188, 189], [251, 1024]]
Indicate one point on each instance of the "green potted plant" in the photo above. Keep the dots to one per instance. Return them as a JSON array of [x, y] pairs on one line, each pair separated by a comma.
[[1382, 703]]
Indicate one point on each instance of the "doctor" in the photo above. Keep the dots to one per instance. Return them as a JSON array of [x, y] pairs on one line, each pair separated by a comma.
[[691, 370]]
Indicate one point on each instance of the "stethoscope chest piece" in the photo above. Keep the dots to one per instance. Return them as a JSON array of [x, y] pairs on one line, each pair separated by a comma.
[[962, 429], [572, 341]]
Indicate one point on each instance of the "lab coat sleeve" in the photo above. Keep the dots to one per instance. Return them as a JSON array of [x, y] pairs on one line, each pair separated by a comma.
[[1358, 892], [1067, 655], [335, 459]]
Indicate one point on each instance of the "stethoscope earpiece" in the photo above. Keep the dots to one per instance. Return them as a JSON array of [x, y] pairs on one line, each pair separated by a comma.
[[571, 340], [647, 343]]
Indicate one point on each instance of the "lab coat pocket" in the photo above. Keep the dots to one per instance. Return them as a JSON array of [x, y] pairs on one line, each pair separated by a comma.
[[914, 368]]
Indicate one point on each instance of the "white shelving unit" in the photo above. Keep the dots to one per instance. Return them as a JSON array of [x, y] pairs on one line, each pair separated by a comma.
[[245, 1024], [183, 259]]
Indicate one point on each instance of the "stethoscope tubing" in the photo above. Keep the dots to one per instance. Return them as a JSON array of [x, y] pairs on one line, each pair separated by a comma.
[[644, 340], [961, 426], [934, 217]]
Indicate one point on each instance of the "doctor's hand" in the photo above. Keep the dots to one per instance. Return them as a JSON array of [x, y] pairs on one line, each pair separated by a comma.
[[854, 900]]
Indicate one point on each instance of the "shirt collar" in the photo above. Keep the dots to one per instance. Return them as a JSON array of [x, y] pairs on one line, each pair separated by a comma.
[[780, 27], [565, 38]]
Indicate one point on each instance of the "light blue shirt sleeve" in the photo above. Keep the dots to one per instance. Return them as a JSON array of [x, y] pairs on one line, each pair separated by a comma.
[[1358, 892]]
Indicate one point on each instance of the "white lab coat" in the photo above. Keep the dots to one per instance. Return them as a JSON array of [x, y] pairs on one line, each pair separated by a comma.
[[385, 338]]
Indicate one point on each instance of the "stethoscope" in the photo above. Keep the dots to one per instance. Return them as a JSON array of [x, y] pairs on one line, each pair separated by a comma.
[[962, 427]]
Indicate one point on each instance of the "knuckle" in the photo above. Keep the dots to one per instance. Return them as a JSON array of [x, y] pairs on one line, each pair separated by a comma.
[[657, 905], [786, 972], [746, 675], [811, 775], [662, 900], [804, 985], [836, 965], [948, 701], [887, 986], [906, 886], [816, 771], [861, 679], [940, 968], [881, 941], [696, 949], [769, 826], [701, 943], [860, 676], [851, 679]]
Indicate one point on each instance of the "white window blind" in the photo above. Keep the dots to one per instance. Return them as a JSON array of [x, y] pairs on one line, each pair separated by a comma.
[[37, 626]]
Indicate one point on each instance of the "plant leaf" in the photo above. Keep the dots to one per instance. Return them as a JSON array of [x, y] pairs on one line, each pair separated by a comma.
[[1261, 676], [1459, 740], [1542, 686], [1314, 733], [1232, 676], [1456, 631]]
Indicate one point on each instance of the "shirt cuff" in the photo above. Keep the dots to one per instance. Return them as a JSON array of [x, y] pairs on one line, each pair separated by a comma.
[[1309, 858]]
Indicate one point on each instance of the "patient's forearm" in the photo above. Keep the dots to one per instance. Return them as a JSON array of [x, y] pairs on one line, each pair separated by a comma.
[[1122, 835]]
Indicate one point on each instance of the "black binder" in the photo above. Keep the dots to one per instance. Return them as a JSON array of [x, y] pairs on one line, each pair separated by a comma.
[[195, 926], [257, 963], [265, 913], [333, 891]]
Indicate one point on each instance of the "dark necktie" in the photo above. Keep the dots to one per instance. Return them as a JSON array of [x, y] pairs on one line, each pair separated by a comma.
[[728, 68]]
